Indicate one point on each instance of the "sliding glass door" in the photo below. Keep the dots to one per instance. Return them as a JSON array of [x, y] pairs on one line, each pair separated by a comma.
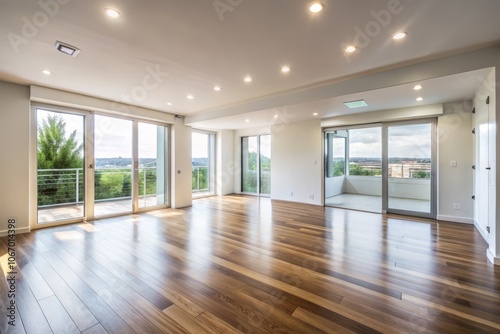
[[152, 171], [353, 175], [92, 166], [410, 160], [113, 166], [60, 166], [203, 163], [384, 168], [256, 165]]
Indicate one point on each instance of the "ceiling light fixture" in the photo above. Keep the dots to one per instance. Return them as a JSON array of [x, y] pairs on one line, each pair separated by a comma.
[[350, 49], [113, 13], [315, 114], [248, 79], [316, 7], [247, 120], [67, 49], [356, 104], [190, 97], [285, 69], [276, 116], [399, 35], [217, 88], [417, 87], [170, 104], [46, 72], [420, 99]]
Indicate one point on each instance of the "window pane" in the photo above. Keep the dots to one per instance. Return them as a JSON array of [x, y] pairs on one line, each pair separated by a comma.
[[60, 152], [152, 169]]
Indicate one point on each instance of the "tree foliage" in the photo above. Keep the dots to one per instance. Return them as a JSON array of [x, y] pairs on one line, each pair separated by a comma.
[[55, 149]]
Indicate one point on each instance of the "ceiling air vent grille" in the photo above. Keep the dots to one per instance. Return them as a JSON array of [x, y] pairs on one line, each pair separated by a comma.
[[67, 49]]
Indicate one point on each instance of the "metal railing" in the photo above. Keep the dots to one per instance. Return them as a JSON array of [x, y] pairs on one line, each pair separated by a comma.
[[66, 186]]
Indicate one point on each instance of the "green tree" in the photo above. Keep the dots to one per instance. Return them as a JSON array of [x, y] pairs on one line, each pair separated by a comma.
[[421, 174], [356, 169], [57, 151]]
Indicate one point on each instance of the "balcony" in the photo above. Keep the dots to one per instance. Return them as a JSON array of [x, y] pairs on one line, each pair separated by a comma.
[[61, 192], [200, 181]]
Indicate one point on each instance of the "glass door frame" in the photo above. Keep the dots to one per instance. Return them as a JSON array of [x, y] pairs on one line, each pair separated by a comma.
[[212, 162], [33, 175], [89, 164], [385, 162], [258, 193], [385, 168]]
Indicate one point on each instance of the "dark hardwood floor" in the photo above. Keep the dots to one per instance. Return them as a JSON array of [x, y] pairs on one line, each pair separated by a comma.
[[247, 265]]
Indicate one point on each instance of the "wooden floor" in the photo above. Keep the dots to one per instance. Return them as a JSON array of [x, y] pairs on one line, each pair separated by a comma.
[[248, 265]]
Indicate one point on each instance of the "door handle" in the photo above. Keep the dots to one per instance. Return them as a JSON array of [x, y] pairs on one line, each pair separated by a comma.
[[488, 168], [91, 166]]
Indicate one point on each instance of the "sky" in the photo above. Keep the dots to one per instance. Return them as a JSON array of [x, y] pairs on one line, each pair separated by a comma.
[[113, 136], [409, 141]]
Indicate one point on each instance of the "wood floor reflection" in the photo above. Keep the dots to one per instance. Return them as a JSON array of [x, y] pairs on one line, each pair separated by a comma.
[[241, 264]]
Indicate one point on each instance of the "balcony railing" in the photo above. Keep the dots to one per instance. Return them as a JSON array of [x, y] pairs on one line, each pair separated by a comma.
[[66, 186], [200, 179]]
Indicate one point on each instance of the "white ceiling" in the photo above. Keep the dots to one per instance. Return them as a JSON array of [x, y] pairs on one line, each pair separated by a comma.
[[192, 47], [452, 88]]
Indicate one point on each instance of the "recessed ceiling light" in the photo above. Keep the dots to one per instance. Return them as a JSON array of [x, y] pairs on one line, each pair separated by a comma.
[[315, 114], [113, 13], [276, 116], [350, 49], [247, 120], [316, 7], [285, 69], [399, 35], [248, 79], [190, 97], [217, 88], [356, 104], [46, 72], [417, 87], [170, 104], [420, 98]]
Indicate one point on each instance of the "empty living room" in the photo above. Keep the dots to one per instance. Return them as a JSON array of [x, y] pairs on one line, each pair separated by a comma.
[[237, 166]]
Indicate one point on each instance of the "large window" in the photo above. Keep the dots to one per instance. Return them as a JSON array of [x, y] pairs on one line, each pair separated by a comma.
[[122, 168], [256, 164], [203, 156], [389, 168]]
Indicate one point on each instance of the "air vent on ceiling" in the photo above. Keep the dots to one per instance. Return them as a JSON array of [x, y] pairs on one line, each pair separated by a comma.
[[356, 104], [67, 49]]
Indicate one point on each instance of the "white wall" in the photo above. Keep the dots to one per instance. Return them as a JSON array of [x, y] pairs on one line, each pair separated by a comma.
[[14, 156], [181, 165], [455, 141], [334, 186], [226, 166], [296, 162]]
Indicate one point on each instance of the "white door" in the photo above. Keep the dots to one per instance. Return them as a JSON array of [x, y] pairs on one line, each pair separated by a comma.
[[482, 160]]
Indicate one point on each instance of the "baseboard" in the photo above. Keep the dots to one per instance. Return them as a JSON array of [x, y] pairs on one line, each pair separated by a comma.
[[461, 220], [493, 259], [18, 231], [481, 230]]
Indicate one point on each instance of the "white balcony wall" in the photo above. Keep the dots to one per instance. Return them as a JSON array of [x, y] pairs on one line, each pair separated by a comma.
[[334, 186], [363, 185], [410, 188]]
